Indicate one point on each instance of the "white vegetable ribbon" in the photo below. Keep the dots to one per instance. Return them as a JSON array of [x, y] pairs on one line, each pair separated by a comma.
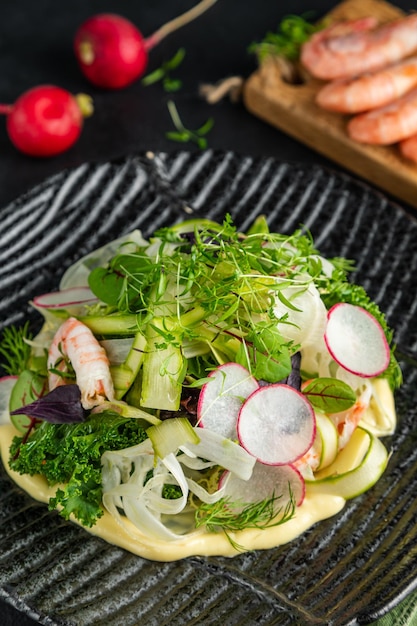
[[133, 480]]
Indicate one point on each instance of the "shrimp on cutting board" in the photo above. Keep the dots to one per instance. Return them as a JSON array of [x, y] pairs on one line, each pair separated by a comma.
[[386, 125], [369, 91], [350, 48], [76, 343]]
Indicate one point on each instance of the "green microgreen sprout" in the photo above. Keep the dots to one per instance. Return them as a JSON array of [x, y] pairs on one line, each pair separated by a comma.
[[15, 349], [163, 73], [183, 134]]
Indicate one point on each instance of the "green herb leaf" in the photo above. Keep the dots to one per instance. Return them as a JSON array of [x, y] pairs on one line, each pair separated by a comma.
[[171, 85], [330, 395], [292, 32], [123, 280], [177, 136], [206, 127], [265, 354], [183, 134], [15, 349], [153, 77], [163, 73]]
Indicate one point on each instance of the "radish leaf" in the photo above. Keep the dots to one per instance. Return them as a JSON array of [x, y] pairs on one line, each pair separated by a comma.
[[330, 395]]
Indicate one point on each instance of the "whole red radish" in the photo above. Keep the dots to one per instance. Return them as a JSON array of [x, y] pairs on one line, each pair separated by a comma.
[[112, 53], [46, 120]]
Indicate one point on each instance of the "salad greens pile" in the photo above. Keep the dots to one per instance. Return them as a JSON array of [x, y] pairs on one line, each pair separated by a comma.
[[197, 295]]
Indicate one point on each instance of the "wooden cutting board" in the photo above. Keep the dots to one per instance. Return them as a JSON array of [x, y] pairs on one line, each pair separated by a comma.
[[292, 109]]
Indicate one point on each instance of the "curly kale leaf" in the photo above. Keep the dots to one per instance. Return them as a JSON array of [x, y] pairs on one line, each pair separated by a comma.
[[70, 455]]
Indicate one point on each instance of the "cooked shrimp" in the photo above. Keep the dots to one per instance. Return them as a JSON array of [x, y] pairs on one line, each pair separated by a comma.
[[348, 49], [309, 462], [408, 148], [347, 421], [76, 343], [369, 91], [388, 124]]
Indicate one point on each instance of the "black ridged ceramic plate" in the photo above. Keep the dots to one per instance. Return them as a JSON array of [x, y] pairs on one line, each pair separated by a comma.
[[346, 570]]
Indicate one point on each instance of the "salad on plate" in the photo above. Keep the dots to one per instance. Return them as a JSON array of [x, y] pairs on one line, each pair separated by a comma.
[[205, 391]]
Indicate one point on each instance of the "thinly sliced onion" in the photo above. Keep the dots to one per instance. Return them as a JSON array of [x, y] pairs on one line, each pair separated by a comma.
[[132, 496], [305, 323], [221, 451], [6, 385], [203, 494], [174, 467], [126, 486], [77, 274], [380, 417]]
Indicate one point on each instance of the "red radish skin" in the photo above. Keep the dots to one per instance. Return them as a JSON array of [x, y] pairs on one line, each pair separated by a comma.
[[356, 340], [111, 51], [45, 121]]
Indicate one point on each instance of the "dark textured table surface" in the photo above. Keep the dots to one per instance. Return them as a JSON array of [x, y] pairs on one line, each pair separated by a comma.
[[36, 48]]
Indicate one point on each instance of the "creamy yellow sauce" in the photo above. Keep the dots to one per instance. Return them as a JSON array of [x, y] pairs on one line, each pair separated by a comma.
[[202, 543]]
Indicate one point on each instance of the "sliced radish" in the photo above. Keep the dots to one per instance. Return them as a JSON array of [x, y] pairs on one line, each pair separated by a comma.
[[6, 385], [65, 298], [282, 481], [356, 340], [276, 424], [222, 396]]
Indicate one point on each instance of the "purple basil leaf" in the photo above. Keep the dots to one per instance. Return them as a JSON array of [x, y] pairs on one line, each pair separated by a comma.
[[62, 405], [294, 377]]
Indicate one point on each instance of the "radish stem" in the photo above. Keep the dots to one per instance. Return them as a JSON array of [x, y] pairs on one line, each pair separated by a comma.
[[178, 22]]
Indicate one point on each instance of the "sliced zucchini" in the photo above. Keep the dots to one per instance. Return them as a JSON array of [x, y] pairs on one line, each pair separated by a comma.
[[356, 469]]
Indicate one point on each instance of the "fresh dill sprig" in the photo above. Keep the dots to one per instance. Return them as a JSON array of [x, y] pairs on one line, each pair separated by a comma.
[[231, 516], [15, 349]]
